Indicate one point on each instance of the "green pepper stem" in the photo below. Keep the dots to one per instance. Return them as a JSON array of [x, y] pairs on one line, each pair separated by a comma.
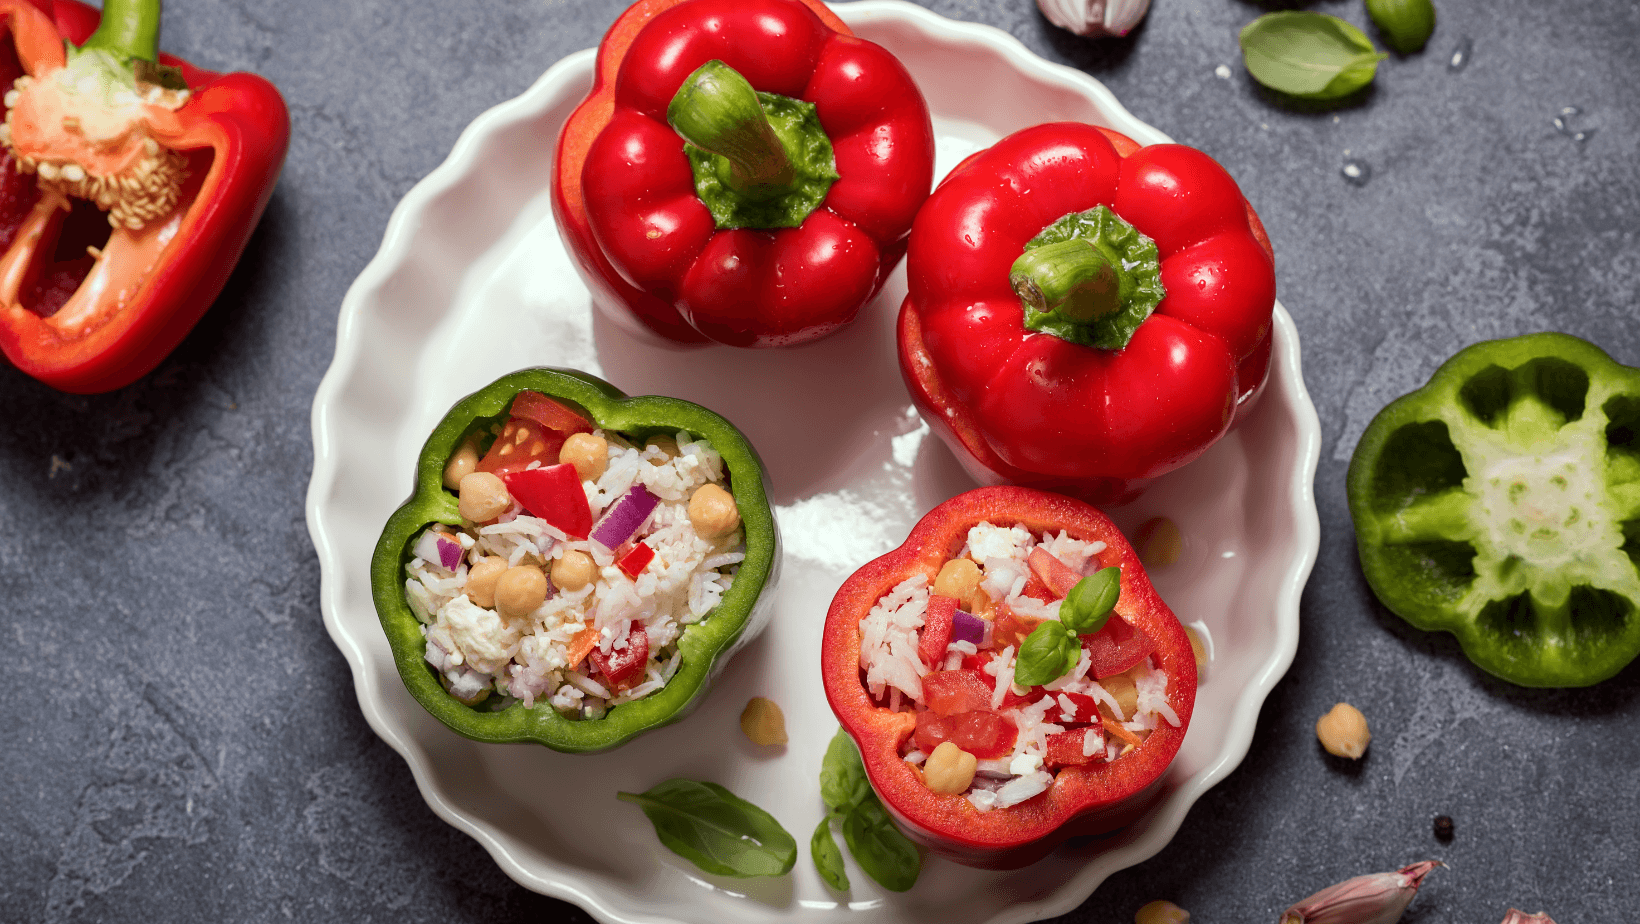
[[717, 110], [1071, 277], [129, 29]]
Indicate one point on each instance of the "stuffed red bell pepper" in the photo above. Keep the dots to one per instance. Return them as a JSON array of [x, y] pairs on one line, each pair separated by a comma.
[[1085, 314], [1010, 675], [181, 160], [804, 155]]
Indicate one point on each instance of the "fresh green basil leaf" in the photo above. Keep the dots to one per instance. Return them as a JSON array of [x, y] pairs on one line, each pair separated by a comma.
[[843, 782], [886, 855], [716, 830], [1089, 604], [1406, 24], [828, 859], [1309, 55], [1046, 654]]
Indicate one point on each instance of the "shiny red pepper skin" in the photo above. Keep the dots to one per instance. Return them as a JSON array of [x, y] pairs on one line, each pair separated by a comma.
[[643, 241], [239, 125], [1030, 408], [1091, 799]]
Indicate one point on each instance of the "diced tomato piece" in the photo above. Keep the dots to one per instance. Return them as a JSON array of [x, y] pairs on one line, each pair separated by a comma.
[[952, 692], [554, 494], [1011, 628], [551, 414], [1084, 710], [1065, 748], [985, 735], [623, 664], [1116, 647], [978, 660], [633, 562], [936, 630], [1055, 574], [1035, 589], [521, 442]]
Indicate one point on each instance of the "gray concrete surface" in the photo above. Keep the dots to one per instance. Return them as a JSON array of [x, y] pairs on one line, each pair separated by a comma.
[[181, 743]]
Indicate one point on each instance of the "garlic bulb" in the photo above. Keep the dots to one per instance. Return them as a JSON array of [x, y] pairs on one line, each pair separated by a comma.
[[1095, 17]]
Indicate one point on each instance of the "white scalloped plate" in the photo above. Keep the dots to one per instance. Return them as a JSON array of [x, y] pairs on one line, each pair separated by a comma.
[[471, 282]]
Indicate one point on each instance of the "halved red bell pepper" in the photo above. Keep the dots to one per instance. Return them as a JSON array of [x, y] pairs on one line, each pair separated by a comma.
[[629, 198], [1094, 798], [183, 178], [1147, 355]]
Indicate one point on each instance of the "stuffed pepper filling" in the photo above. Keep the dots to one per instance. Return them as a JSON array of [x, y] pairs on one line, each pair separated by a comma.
[[581, 556], [1003, 700]]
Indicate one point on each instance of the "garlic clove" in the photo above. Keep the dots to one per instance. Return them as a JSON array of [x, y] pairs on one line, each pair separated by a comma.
[[1095, 17], [1378, 898]]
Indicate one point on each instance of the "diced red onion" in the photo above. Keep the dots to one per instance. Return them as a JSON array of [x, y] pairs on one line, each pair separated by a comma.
[[625, 517], [439, 549], [966, 627]]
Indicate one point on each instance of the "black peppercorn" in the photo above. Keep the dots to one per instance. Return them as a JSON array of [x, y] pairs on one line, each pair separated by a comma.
[[1443, 828]]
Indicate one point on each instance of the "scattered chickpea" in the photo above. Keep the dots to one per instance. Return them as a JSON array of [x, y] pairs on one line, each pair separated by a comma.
[[519, 591], [1122, 689], [665, 444], [763, 722], [712, 511], [574, 571], [483, 497], [1161, 912], [460, 465], [1159, 542], [481, 578], [588, 453], [949, 770], [1197, 648], [1343, 731]]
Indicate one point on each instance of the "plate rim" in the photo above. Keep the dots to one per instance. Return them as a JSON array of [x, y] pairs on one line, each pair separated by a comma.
[[576, 68]]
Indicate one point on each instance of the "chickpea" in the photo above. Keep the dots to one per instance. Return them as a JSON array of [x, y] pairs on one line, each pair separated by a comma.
[[958, 578], [1121, 688], [1343, 732], [1161, 912], [461, 465], [666, 444], [574, 571], [763, 722], [481, 578], [949, 770], [588, 453], [1197, 648], [519, 591], [712, 510], [483, 497]]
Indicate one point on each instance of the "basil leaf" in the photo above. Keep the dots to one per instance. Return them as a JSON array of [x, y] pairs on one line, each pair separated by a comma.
[[828, 859], [716, 830], [1406, 24], [886, 855], [843, 782], [1089, 604], [1046, 654], [1309, 55]]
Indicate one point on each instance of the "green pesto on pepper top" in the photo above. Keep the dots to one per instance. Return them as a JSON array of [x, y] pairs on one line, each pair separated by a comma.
[[574, 565], [1501, 503]]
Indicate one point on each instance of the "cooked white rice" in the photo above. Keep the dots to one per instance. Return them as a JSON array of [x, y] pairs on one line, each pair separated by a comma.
[[524, 660]]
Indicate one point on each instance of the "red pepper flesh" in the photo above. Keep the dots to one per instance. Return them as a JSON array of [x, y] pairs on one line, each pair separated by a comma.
[[622, 664], [127, 308], [554, 494], [1030, 408], [633, 562], [1090, 799], [936, 630], [624, 196]]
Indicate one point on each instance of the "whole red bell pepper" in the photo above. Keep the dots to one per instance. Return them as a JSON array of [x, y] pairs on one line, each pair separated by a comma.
[[1045, 361], [1091, 798], [182, 160], [783, 214]]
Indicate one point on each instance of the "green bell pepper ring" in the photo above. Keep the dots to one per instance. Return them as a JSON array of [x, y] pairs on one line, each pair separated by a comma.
[[706, 645], [1501, 503]]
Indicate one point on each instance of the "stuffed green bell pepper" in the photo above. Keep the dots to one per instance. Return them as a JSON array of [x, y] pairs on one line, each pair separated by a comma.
[[1501, 503], [575, 565]]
